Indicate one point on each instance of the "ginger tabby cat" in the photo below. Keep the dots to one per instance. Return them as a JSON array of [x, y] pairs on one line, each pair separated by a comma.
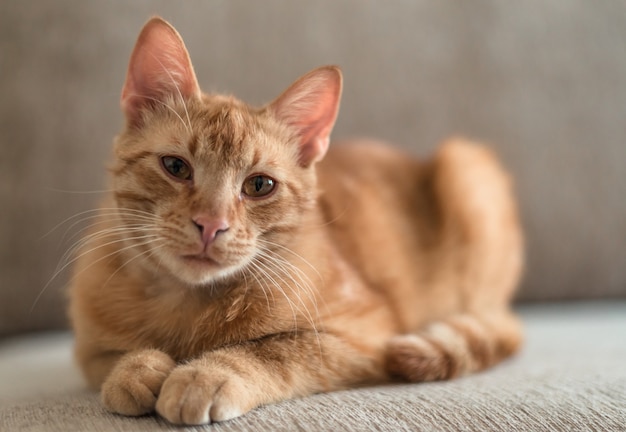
[[240, 261]]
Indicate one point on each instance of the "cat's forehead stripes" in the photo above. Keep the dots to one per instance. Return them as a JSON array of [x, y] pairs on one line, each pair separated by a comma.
[[221, 130], [193, 144]]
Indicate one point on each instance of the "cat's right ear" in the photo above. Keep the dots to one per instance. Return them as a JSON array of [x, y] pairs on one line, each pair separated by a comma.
[[159, 68], [309, 107]]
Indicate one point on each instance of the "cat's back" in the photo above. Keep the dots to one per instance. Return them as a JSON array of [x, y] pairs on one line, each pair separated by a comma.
[[406, 225], [371, 191], [378, 208], [368, 160], [367, 183], [369, 168]]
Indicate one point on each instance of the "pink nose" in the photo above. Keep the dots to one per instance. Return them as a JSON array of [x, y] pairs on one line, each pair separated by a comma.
[[210, 227]]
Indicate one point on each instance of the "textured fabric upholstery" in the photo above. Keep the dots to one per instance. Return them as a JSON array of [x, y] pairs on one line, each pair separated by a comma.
[[571, 376]]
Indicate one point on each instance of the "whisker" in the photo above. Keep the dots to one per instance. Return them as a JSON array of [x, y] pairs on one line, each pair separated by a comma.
[[141, 223], [67, 220], [129, 227], [279, 264], [263, 288], [78, 192], [70, 262], [279, 271], [148, 251], [106, 211], [307, 283], [83, 254], [102, 234], [264, 271], [286, 249], [333, 220], [302, 286]]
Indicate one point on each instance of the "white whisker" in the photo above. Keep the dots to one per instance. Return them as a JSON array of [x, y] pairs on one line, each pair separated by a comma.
[[94, 262], [278, 269], [263, 287], [103, 234], [148, 251], [129, 227], [264, 269], [286, 249], [78, 192], [119, 224], [306, 285], [106, 211]]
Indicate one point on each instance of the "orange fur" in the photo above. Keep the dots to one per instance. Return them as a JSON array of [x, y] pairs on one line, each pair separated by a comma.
[[365, 265]]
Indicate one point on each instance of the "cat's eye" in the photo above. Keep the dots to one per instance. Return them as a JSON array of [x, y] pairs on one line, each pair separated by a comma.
[[176, 167], [258, 186]]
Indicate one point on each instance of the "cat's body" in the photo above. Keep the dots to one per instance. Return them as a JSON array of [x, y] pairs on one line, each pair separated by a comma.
[[231, 267]]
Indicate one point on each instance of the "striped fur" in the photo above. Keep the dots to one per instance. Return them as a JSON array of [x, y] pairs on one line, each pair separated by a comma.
[[359, 265], [452, 347]]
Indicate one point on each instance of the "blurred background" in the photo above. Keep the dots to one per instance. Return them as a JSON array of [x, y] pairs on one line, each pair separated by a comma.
[[544, 83]]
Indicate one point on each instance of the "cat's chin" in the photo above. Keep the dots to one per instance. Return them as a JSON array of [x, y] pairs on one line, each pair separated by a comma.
[[197, 270]]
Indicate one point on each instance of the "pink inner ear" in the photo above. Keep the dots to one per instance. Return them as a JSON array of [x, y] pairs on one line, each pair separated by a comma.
[[159, 67], [310, 106]]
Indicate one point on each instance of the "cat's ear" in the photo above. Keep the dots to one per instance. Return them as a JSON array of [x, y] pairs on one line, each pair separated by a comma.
[[159, 68], [310, 106]]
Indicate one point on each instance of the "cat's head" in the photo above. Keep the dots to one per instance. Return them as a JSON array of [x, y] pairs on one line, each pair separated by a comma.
[[205, 184]]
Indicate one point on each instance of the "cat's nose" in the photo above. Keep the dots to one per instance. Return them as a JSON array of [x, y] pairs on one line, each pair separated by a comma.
[[210, 227]]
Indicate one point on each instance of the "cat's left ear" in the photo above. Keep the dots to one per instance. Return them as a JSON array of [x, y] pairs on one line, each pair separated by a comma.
[[310, 106]]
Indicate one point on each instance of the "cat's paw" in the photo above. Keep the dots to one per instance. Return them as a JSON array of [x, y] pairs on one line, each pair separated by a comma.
[[194, 394], [134, 384]]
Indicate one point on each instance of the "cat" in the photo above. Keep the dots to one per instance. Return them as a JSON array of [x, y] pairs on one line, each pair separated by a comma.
[[240, 260]]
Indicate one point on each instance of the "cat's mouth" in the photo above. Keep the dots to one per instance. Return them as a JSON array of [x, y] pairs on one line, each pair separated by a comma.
[[200, 259]]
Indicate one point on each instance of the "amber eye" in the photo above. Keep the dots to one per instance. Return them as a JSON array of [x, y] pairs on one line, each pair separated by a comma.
[[258, 186], [176, 167]]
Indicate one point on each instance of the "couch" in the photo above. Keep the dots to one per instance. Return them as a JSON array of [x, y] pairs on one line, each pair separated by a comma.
[[541, 82]]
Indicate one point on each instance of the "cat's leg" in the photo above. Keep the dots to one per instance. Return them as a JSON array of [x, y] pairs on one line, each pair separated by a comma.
[[130, 382], [481, 247], [228, 382], [453, 347], [480, 257]]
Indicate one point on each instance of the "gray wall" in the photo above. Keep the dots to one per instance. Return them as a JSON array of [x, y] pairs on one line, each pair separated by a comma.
[[542, 81]]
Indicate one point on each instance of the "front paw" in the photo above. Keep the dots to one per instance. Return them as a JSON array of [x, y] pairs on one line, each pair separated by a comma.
[[134, 384], [194, 395]]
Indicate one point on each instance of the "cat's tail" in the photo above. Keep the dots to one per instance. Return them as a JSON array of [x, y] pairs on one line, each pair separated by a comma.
[[453, 347]]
